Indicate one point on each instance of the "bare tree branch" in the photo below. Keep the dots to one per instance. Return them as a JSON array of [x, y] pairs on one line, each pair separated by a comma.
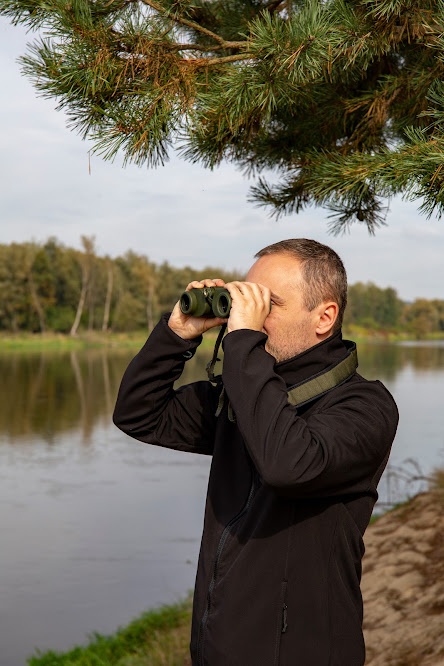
[[195, 26], [232, 58], [276, 5]]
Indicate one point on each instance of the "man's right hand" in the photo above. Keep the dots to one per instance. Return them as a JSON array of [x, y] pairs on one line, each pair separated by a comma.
[[189, 327]]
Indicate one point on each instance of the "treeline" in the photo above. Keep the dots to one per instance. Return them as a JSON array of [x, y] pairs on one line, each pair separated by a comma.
[[51, 287], [376, 309]]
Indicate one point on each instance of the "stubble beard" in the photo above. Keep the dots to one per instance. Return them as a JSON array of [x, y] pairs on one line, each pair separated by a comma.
[[287, 347]]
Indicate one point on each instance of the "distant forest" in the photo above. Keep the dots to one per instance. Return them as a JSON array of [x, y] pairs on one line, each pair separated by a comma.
[[51, 287]]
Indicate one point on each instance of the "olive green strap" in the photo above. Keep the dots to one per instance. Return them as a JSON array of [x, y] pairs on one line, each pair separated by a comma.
[[325, 381], [212, 363], [312, 388], [220, 405]]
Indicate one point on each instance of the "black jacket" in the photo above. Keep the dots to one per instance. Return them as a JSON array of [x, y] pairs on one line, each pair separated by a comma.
[[290, 494]]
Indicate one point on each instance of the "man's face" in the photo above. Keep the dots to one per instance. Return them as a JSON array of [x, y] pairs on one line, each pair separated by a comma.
[[290, 326]]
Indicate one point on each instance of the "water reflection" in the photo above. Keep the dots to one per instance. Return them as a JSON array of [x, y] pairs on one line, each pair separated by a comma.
[[386, 361], [53, 392], [98, 527], [50, 394]]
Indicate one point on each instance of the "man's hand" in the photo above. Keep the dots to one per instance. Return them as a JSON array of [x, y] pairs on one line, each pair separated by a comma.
[[250, 305], [189, 327]]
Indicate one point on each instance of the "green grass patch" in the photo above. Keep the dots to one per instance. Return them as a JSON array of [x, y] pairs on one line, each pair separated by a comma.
[[376, 516], [25, 341], [362, 334], [157, 638], [61, 341]]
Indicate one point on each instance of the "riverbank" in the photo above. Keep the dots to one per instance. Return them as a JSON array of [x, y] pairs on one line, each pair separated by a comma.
[[360, 334], [157, 638], [402, 583], [25, 341], [402, 588], [88, 339]]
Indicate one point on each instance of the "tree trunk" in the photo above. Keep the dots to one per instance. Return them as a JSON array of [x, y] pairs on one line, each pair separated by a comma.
[[81, 301], [117, 309], [91, 311], [36, 302], [109, 291], [80, 384]]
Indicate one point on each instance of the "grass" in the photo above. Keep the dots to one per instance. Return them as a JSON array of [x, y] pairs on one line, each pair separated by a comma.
[[435, 481], [35, 341], [25, 341], [157, 638], [377, 516], [361, 334]]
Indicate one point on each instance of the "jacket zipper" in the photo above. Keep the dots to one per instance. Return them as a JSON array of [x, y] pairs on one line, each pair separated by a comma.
[[282, 624], [284, 619], [220, 546]]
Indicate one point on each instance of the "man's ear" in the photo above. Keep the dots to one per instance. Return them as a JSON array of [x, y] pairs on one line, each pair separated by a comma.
[[328, 313]]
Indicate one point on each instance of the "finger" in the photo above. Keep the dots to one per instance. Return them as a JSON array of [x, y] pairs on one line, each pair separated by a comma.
[[176, 310], [206, 282], [254, 288], [240, 286], [266, 293], [233, 288], [220, 320], [214, 321], [262, 294], [249, 290], [194, 285]]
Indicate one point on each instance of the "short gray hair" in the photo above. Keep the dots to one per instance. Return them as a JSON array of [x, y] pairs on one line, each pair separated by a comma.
[[323, 272]]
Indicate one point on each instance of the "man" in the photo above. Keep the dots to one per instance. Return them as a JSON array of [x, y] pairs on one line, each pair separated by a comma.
[[292, 486]]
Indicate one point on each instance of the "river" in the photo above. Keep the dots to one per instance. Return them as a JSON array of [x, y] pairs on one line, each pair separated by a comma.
[[97, 527]]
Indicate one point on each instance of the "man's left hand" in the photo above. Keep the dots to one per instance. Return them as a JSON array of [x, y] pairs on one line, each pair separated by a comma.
[[250, 305]]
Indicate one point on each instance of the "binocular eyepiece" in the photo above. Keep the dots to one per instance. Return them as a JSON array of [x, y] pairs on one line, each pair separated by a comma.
[[206, 302]]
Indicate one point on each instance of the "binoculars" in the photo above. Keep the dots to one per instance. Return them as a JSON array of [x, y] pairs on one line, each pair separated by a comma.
[[206, 302]]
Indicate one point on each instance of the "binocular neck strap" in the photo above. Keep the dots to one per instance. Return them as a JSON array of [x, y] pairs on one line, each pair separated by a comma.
[[325, 381], [212, 363], [308, 390]]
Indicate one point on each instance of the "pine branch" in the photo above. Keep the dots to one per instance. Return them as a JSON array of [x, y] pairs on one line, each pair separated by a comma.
[[349, 186], [194, 47], [219, 61], [366, 208], [343, 98], [191, 24]]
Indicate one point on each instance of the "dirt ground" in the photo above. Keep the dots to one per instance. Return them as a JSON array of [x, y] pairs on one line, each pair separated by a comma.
[[403, 585]]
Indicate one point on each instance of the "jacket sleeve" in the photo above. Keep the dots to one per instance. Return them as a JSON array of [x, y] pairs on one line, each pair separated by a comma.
[[336, 451], [150, 410]]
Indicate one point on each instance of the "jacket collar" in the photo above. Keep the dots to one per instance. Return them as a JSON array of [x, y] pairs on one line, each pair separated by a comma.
[[312, 361]]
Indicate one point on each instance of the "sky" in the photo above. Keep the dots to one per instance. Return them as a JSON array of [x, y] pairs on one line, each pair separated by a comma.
[[180, 213]]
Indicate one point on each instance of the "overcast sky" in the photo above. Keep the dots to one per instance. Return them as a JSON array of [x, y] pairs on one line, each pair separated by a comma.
[[180, 213]]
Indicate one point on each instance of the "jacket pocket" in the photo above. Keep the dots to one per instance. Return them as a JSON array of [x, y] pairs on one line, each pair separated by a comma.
[[282, 624]]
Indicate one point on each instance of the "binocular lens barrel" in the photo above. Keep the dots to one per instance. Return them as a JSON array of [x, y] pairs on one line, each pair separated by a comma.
[[222, 304], [206, 302], [188, 302]]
